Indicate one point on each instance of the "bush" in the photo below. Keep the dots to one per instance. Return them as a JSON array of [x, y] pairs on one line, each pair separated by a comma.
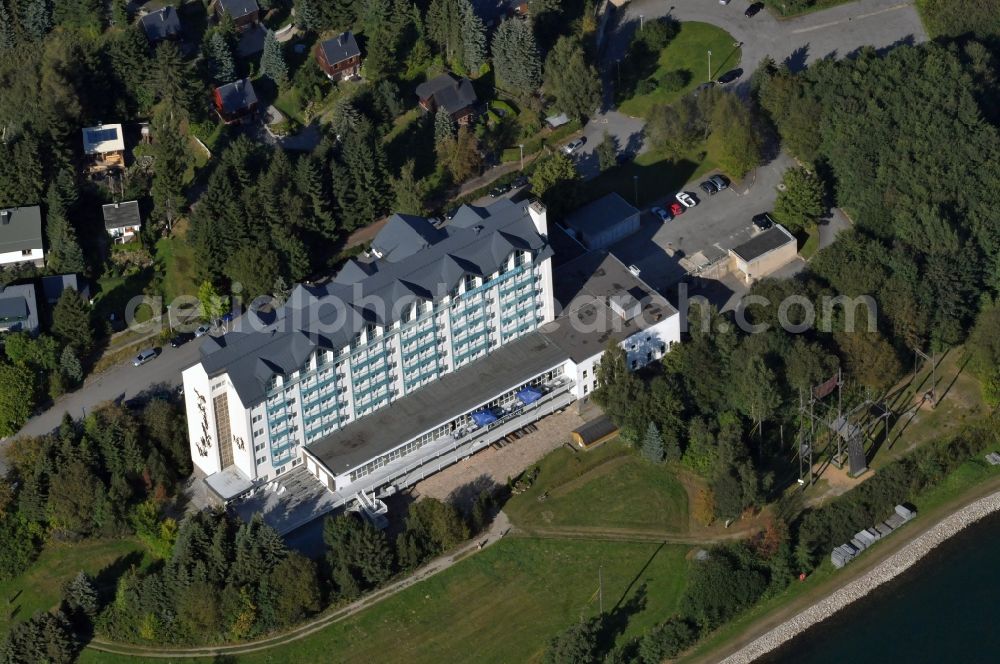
[[646, 86], [675, 80]]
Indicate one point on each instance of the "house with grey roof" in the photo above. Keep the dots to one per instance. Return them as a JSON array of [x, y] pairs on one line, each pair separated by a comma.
[[18, 309], [21, 236], [456, 96], [339, 57], [244, 13], [235, 101], [601, 223], [162, 25], [122, 220], [54, 285]]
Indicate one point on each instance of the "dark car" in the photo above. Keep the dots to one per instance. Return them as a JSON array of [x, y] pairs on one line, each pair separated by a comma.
[[179, 340], [763, 221], [720, 181], [709, 187], [730, 76], [520, 181], [753, 9], [499, 190]]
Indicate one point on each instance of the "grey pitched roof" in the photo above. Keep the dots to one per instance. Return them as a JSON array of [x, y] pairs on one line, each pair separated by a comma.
[[604, 212], [449, 94], [329, 316], [238, 8], [161, 24], [20, 228], [763, 243], [340, 48], [19, 308], [53, 286], [119, 215], [405, 235], [237, 95]]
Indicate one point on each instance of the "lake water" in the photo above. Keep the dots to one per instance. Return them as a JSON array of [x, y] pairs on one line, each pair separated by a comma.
[[945, 610]]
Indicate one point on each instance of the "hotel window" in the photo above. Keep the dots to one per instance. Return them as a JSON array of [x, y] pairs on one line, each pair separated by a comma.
[[26, 252]]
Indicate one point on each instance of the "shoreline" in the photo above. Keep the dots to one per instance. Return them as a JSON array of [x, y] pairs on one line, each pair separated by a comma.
[[890, 568]]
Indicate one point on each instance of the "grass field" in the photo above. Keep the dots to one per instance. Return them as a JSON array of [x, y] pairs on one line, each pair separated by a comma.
[[609, 487], [687, 52], [501, 605], [176, 258], [40, 587]]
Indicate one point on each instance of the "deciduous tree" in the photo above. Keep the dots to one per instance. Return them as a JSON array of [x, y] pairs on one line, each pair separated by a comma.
[[573, 82], [800, 203]]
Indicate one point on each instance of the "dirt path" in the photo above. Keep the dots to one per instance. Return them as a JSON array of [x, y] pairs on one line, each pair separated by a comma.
[[498, 529]]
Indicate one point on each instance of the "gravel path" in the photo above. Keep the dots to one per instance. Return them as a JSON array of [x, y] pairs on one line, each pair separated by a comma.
[[886, 571]]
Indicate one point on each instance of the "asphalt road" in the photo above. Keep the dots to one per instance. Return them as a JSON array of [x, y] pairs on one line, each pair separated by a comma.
[[116, 384]]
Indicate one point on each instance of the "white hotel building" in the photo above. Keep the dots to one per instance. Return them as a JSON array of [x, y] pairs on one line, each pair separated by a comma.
[[445, 341]]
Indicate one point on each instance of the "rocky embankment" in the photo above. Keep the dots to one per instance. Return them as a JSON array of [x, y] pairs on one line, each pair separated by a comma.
[[890, 568]]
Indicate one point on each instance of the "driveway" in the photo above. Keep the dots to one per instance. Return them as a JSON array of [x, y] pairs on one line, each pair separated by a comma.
[[834, 32]]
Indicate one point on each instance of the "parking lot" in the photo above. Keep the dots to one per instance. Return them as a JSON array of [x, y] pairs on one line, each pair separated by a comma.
[[665, 252]]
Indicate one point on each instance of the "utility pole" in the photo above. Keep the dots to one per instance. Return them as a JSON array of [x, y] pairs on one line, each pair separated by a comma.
[[600, 587], [521, 145], [709, 65], [640, 22], [635, 183]]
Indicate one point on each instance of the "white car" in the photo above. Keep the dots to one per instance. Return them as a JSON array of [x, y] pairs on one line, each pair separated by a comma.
[[723, 2], [686, 199], [573, 146]]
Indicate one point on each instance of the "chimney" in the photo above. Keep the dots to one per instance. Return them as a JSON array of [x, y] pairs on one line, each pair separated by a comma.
[[4, 217], [116, 205]]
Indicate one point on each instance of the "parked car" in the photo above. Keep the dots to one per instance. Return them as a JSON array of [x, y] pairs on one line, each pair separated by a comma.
[[730, 76], [519, 181], [143, 357], [573, 146], [753, 9], [723, 2], [677, 209], [686, 199], [499, 190], [763, 221], [201, 331], [661, 213], [709, 187], [720, 181], [179, 340]]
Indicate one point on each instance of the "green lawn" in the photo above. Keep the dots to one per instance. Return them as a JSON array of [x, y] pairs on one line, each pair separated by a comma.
[[501, 605], [40, 587], [176, 258], [609, 487], [114, 293], [687, 52]]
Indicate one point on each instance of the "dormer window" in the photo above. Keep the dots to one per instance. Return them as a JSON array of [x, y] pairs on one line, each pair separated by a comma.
[[469, 282]]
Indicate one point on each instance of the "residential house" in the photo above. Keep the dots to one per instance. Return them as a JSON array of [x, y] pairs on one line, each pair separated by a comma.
[[104, 145], [235, 101], [339, 57], [53, 287], [244, 13], [122, 220], [18, 309], [21, 236], [456, 97], [161, 25]]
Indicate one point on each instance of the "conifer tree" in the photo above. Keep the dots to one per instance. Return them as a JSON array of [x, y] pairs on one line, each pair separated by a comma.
[[272, 61], [652, 444], [444, 126], [473, 37], [220, 59], [7, 34], [170, 152], [307, 15], [515, 57], [70, 367], [36, 18]]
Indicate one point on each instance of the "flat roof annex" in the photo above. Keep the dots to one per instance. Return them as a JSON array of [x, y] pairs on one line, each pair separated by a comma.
[[437, 402], [763, 243]]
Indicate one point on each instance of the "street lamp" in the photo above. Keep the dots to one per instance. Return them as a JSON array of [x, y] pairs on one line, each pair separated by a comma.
[[635, 185], [521, 145], [710, 65], [640, 22]]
